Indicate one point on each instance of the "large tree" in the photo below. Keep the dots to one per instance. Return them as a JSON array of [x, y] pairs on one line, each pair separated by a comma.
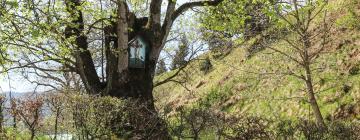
[[24, 22], [50, 39], [122, 81]]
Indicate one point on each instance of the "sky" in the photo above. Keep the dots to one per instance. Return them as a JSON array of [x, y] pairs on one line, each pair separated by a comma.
[[18, 84]]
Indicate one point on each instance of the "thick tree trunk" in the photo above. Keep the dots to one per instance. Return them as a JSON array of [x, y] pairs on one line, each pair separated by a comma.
[[133, 83], [145, 122], [137, 84]]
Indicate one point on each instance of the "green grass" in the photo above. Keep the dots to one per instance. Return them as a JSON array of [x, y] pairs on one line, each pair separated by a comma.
[[236, 84]]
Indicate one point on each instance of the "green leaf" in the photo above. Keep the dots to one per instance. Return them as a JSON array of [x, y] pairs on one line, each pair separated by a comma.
[[35, 33], [13, 3]]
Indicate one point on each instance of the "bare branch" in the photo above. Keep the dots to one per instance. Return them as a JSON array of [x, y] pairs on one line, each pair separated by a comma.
[[155, 14], [287, 55], [190, 5]]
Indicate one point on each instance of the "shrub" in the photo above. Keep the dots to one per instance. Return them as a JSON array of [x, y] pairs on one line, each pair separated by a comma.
[[211, 98], [206, 65], [310, 130], [245, 128], [97, 117], [110, 118], [141, 122], [31, 113], [285, 129], [191, 123], [341, 130]]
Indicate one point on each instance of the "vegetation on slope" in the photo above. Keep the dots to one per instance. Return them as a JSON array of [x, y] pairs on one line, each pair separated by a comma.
[[255, 86]]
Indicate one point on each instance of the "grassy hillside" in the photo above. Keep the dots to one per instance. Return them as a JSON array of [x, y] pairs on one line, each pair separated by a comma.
[[256, 86]]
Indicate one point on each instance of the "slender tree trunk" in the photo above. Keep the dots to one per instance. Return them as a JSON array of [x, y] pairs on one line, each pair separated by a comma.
[[32, 135], [309, 81], [15, 122], [196, 137], [311, 96], [56, 123], [13, 109], [1, 116]]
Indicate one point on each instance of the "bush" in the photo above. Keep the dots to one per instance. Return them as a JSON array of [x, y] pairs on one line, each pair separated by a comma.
[[109, 118], [86, 117], [195, 122], [341, 130], [309, 130], [285, 130], [206, 65], [97, 117], [30, 111], [245, 128], [190, 123], [142, 123]]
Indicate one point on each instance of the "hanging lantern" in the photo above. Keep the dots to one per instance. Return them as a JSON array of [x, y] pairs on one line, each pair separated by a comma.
[[137, 52]]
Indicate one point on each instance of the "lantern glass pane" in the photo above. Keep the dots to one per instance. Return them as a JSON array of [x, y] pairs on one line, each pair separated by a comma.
[[137, 53]]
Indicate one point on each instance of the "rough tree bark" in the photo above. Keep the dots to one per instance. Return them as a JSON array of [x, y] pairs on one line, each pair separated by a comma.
[[122, 81]]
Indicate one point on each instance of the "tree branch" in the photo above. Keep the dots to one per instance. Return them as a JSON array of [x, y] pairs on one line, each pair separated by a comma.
[[190, 5], [287, 55], [155, 14], [85, 64]]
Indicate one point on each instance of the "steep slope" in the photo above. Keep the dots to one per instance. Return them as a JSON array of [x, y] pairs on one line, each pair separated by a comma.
[[256, 86]]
